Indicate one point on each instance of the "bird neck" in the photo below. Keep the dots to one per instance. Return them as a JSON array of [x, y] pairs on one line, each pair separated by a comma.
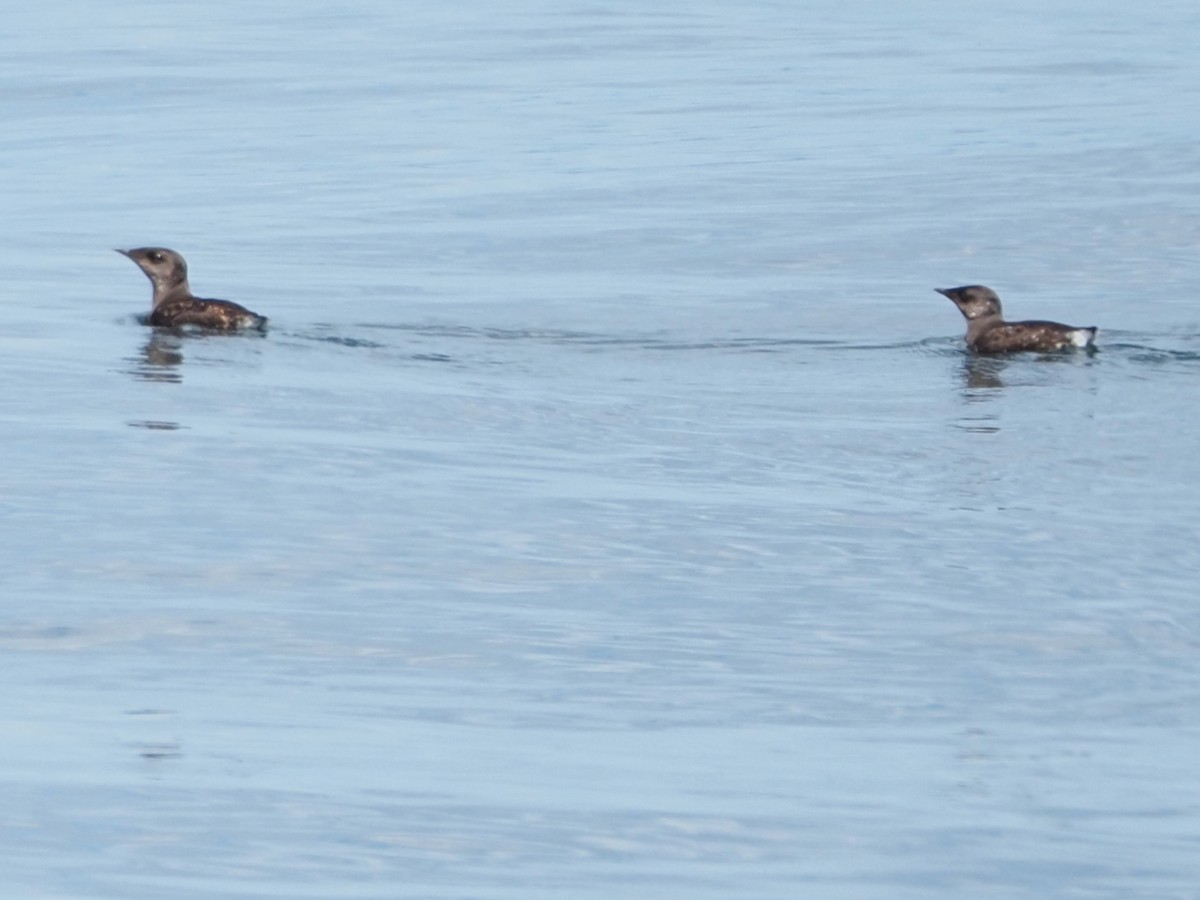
[[976, 327], [172, 291]]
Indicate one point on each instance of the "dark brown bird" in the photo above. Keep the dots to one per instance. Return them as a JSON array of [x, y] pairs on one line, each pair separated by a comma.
[[987, 332], [174, 305]]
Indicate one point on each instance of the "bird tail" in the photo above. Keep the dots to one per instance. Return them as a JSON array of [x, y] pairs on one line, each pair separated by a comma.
[[251, 320]]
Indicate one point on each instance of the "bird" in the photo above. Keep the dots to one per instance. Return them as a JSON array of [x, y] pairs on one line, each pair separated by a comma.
[[987, 332], [175, 306]]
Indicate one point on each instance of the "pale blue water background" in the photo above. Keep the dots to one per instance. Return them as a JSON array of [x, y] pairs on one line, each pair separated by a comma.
[[612, 510]]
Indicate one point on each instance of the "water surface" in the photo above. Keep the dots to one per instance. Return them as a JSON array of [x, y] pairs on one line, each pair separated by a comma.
[[612, 508]]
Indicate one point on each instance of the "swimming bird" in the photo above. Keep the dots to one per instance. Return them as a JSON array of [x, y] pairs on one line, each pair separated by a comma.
[[174, 305], [987, 332]]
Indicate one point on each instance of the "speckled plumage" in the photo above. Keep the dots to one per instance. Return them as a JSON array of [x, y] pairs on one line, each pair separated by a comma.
[[987, 332], [174, 305]]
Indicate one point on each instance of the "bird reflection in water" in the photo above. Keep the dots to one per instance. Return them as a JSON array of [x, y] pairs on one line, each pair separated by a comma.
[[155, 425], [161, 358], [983, 372], [981, 381]]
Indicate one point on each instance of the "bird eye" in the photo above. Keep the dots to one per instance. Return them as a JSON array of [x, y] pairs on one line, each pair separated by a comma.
[[155, 256]]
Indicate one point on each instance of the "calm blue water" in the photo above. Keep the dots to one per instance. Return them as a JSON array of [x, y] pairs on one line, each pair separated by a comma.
[[612, 509]]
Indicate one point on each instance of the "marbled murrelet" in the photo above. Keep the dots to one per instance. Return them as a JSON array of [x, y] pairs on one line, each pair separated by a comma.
[[174, 305], [987, 332]]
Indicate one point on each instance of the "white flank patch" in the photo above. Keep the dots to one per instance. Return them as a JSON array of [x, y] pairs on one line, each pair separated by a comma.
[[1081, 337]]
